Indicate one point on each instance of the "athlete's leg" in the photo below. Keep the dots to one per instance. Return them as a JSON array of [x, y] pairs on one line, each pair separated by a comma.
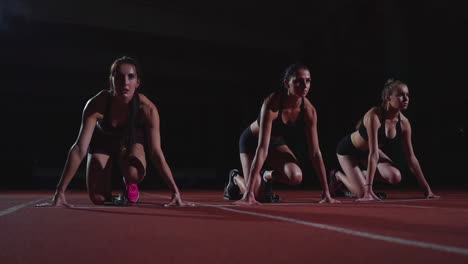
[[285, 166], [386, 170], [246, 162], [352, 177], [133, 164], [247, 147], [98, 177]]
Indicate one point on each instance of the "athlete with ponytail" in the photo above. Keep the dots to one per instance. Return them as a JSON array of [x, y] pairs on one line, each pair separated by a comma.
[[284, 114], [117, 126], [380, 126]]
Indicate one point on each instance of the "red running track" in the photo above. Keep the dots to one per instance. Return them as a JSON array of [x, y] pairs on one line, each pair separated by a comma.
[[401, 229]]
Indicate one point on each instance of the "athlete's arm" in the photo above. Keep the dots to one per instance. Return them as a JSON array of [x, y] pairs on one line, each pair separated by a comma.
[[315, 154], [372, 124], [78, 151], [152, 124], [411, 159], [267, 115]]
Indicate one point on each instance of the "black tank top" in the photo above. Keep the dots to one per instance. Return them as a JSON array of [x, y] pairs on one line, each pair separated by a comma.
[[105, 124], [130, 131], [279, 128], [382, 138]]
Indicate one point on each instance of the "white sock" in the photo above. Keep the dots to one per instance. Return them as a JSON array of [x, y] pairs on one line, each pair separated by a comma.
[[263, 176]]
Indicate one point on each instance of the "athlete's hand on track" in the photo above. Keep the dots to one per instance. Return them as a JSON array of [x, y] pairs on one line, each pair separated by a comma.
[[328, 199], [369, 196], [58, 200], [430, 195], [176, 201], [248, 199]]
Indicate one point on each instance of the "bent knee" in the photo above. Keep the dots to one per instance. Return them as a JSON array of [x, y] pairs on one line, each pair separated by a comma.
[[133, 176], [296, 179], [134, 171], [395, 177], [97, 199], [294, 174]]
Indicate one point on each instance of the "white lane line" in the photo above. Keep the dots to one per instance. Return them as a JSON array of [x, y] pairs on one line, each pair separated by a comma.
[[103, 207], [386, 202], [430, 207], [309, 203], [16, 208], [346, 203], [390, 200], [85, 207], [395, 240]]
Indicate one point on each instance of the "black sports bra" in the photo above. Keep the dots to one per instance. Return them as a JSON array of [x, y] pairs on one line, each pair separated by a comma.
[[105, 126], [279, 128], [382, 137]]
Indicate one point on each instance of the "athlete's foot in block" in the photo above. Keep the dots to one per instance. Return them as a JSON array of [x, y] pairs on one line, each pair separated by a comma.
[[132, 192]]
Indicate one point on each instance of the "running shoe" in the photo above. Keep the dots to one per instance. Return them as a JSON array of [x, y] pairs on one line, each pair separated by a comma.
[[335, 185], [119, 200], [132, 193], [381, 195], [231, 190], [270, 197]]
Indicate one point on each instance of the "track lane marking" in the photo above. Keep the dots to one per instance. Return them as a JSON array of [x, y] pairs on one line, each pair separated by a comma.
[[390, 239], [395, 240], [18, 207], [431, 207]]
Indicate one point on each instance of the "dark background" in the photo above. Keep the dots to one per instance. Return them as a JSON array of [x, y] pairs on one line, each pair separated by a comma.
[[207, 65]]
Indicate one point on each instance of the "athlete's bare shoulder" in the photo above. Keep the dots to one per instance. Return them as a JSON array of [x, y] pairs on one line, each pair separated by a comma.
[[273, 101], [373, 115], [310, 111], [147, 107], [308, 105], [145, 102], [403, 118], [405, 123], [375, 111], [97, 103]]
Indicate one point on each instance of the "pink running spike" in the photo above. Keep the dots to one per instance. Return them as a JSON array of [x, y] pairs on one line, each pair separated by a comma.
[[132, 192]]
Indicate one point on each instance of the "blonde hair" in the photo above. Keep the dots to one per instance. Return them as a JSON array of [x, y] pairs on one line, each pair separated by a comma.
[[389, 86], [388, 89]]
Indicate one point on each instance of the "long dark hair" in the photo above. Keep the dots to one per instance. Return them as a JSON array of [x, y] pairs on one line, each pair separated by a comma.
[[293, 69], [134, 104]]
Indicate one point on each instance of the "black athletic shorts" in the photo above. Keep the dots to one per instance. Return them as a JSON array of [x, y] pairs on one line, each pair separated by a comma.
[[345, 147]]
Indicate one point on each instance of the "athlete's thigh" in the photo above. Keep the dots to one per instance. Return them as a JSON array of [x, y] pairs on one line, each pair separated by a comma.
[[350, 166], [98, 172], [353, 177], [134, 159], [386, 169], [383, 158], [282, 159]]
